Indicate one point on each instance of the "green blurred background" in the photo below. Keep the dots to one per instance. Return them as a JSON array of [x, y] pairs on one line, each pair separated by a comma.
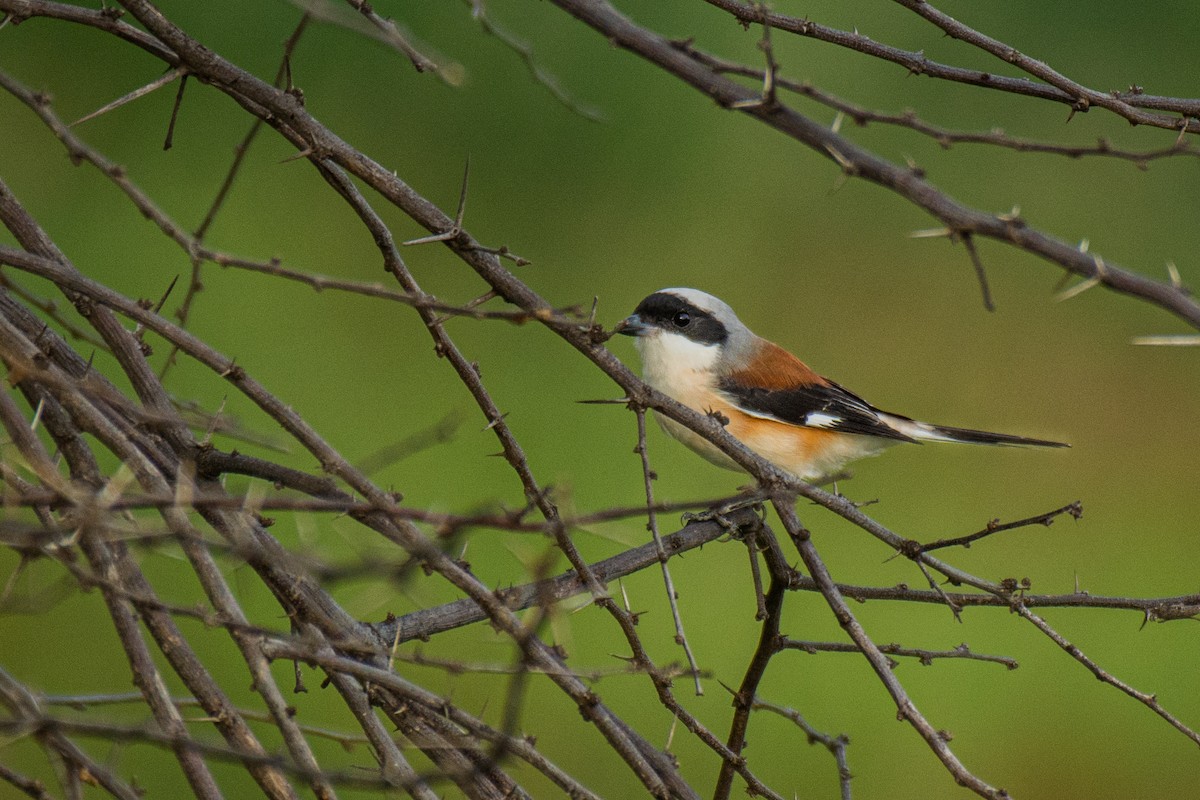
[[669, 190]]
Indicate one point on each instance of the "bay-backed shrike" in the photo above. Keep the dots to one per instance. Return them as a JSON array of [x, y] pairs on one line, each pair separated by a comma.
[[695, 350]]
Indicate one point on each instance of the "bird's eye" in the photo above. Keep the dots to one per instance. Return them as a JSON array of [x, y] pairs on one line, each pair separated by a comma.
[[681, 319]]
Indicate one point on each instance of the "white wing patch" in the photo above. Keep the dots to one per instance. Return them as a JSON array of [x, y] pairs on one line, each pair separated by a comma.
[[814, 419]]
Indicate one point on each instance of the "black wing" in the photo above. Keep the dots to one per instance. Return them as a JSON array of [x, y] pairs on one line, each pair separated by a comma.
[[826, 406]]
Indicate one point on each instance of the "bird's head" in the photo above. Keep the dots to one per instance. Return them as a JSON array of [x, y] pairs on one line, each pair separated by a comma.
[[687, 330]]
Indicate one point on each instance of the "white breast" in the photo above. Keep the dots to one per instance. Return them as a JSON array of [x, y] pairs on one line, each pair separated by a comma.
[[677, 366], [684, 371]]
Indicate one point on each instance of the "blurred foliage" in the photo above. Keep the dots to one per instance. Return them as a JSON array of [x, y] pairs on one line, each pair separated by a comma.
[[669, 190]]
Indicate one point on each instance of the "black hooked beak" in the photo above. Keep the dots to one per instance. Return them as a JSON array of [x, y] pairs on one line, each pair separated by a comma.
[[632, 326]]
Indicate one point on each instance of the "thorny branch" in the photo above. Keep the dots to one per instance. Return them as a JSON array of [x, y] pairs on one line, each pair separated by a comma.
[[858, 162], [168, 490], [945, 137], [1056, 88]]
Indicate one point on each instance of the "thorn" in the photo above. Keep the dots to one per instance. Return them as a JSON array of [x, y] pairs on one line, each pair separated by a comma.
[[483, 298], [1183, 129], [1063, 281], [170, 139], [134, 95], [847, 166], [1183, 340], [503, 252], [305, 153], [462, 197], [749, 102], [494, 422], [216, 419], [584, 605], [163, 300], [1173, 271], [37, 414], [1012, 216], [932, 233], [457, 227], [437, 237], [1079, 288]]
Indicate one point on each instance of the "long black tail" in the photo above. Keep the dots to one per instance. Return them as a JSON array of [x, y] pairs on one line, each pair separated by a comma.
[[925, 432], [968, 436]]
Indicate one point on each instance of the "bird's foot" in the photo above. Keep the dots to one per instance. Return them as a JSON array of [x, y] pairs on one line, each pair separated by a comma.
[[718, 513]]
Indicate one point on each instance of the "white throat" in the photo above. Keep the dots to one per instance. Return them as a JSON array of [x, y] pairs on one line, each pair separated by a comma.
[[677, 366]]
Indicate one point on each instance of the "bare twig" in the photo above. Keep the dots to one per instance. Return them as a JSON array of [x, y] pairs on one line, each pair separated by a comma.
[[926, 657], [944, 136], [980, 272], [1127, 104], [996, 526], [836, 745], [652, 525], [524, 51]]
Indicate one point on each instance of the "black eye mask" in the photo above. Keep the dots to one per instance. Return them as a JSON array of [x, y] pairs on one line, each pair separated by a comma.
[[673, 313]]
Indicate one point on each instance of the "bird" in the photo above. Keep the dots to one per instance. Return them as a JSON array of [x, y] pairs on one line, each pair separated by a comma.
[[695, 350]]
